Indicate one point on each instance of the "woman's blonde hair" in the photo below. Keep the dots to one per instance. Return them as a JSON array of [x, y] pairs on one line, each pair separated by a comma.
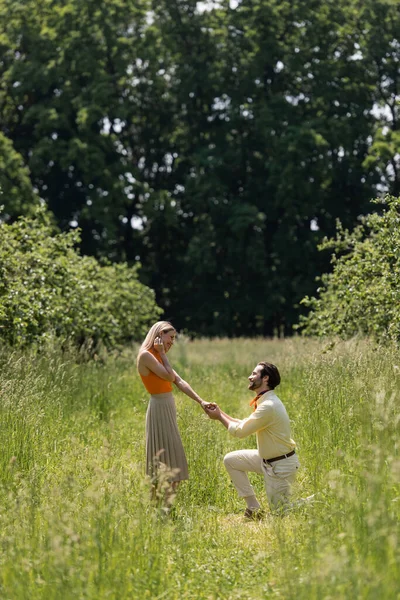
[[155, 331]]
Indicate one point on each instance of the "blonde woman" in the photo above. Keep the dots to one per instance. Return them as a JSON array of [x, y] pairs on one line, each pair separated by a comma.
[[163, 441]]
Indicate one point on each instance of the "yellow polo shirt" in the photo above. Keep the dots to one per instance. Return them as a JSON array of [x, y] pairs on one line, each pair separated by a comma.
[[270, 422]]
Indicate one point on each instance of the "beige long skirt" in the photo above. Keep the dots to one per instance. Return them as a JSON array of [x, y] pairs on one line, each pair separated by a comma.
[[164, 446]]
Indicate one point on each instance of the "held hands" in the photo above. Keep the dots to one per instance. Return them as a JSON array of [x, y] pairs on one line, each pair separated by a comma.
[[212, 410]]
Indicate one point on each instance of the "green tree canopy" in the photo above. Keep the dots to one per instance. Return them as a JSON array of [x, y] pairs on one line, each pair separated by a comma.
[[67, 71], [216, 147], [362, 294], [16, 192], [273, 122]]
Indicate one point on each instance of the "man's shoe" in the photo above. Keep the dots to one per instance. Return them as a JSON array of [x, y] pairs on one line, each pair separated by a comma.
[[255, 514]]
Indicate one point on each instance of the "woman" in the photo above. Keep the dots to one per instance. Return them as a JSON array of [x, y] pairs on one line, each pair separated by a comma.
[[163, 441]]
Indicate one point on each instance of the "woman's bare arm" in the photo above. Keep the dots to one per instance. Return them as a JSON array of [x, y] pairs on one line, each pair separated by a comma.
[[188, 390], [147, 362]]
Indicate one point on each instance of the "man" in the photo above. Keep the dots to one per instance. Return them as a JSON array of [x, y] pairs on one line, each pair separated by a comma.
[[275, 457]]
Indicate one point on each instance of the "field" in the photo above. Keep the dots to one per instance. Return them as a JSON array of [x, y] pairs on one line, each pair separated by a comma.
[[76, 521]]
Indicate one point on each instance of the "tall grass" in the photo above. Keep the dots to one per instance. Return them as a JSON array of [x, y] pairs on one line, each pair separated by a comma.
[[76, 519]]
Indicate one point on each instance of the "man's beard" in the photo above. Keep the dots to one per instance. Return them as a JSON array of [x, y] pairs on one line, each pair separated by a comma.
[[254, 385]]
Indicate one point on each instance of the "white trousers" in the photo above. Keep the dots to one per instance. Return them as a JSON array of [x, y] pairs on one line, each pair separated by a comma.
[[278, 477]]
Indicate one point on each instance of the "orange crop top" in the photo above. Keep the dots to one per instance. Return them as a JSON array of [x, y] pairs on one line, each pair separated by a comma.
[[155, 384]]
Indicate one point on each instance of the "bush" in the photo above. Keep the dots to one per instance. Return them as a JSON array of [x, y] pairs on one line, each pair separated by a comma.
[[362, 294], [47, 288]]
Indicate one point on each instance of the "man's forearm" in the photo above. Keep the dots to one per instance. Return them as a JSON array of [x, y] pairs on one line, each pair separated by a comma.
[[226, 420], [231, 419]]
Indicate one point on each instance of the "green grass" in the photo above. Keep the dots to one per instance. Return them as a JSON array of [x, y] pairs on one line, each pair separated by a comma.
[[76, 521]]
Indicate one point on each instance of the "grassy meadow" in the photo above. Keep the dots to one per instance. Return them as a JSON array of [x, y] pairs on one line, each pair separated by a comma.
[[76, 521]]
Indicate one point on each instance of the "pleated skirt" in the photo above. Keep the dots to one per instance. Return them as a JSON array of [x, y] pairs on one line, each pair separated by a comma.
[[163, 441]]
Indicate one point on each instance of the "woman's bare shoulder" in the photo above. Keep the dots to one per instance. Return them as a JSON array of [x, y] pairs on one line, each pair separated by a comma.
[[147, 359], [146, 356]]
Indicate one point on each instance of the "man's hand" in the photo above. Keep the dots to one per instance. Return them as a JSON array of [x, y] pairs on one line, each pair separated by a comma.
[[213, 411]]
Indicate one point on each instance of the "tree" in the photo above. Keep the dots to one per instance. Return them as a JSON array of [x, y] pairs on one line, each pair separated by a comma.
[[362, 294], [272, 120], [67, 72], [16, 192], [230, 139], [380, 45]]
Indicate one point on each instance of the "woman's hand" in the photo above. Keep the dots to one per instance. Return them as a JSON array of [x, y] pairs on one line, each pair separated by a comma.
[[207, 405], [158, 345], [203, 405]]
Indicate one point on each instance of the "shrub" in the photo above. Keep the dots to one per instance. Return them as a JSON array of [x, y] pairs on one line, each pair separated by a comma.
[[362, 294], [47, 288]]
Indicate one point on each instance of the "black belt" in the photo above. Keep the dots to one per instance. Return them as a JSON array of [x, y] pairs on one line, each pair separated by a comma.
[[270, 460]]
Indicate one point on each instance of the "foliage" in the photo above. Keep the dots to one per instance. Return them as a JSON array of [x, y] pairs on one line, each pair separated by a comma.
[[216, 147], [47, 288], [16, 192], [65, 69], [76, 518], [362, 294], [380, 48], [258, 158]]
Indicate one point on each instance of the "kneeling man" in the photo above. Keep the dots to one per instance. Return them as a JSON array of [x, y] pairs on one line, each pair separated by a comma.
[[275, 457]]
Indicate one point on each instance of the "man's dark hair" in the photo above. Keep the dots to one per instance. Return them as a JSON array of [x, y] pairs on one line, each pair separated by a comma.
[[272, 372]]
